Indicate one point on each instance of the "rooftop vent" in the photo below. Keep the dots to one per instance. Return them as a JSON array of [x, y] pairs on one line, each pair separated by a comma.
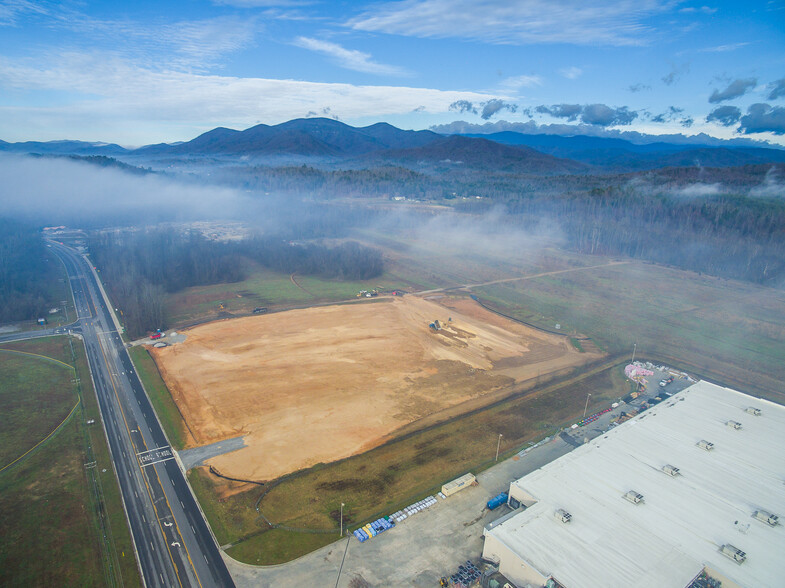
[[562, 516], [753, 410], [670, 470], [733, 425], [634, 497], [766, 517], [705, 445], [733, 553]]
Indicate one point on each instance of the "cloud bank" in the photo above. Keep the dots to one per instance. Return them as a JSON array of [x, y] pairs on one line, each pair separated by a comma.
[[591, 114]]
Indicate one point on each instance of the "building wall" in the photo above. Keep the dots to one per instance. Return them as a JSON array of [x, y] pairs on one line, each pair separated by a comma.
[[512, 566]]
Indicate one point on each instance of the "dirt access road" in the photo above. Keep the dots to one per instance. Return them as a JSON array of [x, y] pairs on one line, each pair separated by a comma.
[[530, 277], [320, 384]]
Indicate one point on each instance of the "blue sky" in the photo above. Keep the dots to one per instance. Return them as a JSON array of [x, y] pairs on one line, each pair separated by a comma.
[[144, 72]]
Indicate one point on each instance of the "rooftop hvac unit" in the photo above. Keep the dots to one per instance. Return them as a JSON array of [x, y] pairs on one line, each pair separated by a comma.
[[733, 553], [562, 516], [705, 445], [733, 425], [634, 497], [767, 517], [753, 410], [670, 470]]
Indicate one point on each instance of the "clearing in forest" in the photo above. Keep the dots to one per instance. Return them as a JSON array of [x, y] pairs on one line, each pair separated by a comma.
[[320, 384]]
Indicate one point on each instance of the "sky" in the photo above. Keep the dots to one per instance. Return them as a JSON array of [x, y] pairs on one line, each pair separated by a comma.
[[140, 72]]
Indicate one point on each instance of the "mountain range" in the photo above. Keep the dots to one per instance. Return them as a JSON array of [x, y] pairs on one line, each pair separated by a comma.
[[327, 141]]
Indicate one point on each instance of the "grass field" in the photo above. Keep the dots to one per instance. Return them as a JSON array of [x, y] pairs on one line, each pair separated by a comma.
[[267, 288], [159, 395], [732, 332], [55, 511], [387, 478]]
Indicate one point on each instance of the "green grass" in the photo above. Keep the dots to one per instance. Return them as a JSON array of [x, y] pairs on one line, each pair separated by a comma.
[[389, 477], [729, 331], [163, 403], [263, 287], [52, 529]]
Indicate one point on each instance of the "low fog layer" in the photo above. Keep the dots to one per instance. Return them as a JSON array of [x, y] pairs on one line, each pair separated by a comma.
[[64, 191]]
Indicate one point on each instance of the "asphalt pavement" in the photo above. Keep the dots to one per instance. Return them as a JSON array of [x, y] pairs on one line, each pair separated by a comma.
[[173, 544]]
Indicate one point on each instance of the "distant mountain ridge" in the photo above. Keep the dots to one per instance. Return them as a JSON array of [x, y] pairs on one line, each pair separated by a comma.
[[620, 154], [320, 137], [328, 140]]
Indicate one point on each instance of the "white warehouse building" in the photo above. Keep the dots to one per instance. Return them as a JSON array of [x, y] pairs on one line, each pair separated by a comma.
[[649, 505]]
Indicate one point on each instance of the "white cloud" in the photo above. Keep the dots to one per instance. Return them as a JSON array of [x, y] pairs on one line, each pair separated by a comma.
[[135, 105], [261, 3], [723, 48], [517, 82], [577, 22], [571, 73], [194, 43], [349, 58], [12, 10], [700, 9]]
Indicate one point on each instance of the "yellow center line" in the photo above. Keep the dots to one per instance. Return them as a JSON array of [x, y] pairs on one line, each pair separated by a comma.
[[147, 486]]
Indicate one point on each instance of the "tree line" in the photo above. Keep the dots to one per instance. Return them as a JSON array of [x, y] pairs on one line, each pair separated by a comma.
[[142, 267], [27, 273]]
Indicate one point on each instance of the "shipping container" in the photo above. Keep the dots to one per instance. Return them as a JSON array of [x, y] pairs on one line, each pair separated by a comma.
[[497, 501], [458, 484]]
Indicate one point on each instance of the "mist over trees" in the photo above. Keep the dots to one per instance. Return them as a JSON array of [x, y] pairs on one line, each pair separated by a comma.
[[347, 261], [720, 234], [142, 267], [27, 279]]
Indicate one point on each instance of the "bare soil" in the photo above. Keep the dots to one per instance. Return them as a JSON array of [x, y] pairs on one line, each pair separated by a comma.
[[320, 384]]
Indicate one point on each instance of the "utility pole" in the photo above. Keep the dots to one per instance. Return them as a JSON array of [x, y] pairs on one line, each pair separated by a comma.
[[342, 505], [585, 408], [498, 445]]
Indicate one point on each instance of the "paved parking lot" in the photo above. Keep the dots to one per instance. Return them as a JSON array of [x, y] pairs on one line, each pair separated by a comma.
[[430, 544]]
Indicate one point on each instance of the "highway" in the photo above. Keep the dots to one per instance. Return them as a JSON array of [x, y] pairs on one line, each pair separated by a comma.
[[173, 544]]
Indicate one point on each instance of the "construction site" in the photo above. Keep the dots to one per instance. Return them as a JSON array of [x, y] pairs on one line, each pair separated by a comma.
[[323, 383]]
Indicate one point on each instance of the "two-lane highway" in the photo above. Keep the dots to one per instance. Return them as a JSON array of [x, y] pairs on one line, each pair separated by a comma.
[[174, 546]]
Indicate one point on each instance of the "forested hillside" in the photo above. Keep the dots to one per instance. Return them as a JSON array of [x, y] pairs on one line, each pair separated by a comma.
[[28, 273]]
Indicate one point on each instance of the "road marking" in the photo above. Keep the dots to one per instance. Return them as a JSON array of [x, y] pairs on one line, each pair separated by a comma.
[[144, 465]]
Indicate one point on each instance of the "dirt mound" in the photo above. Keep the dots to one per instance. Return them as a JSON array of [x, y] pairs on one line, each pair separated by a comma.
[[319, 384]]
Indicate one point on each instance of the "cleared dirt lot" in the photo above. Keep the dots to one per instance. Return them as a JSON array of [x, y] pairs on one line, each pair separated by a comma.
[[319, 384]]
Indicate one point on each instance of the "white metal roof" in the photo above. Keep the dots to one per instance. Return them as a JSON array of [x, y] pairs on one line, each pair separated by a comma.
[[684, 520]]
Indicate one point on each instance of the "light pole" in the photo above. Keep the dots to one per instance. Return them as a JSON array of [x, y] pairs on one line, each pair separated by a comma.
[[498, 445], [634, 346], [585, 408], [342, 505]]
